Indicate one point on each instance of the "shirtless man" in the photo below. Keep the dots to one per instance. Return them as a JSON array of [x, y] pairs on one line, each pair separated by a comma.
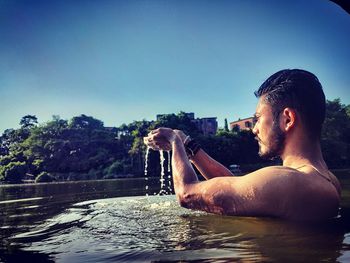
[[289, 117]]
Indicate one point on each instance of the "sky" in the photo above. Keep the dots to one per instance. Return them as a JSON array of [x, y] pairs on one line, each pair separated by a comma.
[[121, 61]]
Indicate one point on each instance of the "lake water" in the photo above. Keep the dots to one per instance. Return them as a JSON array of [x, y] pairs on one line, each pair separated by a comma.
[[113, 221]]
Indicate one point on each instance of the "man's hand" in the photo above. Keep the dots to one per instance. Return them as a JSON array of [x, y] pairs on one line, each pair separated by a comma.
[[160, 139], [181, 134]]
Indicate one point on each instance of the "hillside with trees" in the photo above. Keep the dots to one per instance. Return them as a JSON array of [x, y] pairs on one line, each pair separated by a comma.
[[82, 148]]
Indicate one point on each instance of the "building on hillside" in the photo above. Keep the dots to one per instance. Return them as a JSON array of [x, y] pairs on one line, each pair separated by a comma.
[[190, 115], [207, 126], [244, 124], [111, 129]]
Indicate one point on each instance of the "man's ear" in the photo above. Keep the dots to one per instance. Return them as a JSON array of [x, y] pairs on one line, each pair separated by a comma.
[[288, 119]]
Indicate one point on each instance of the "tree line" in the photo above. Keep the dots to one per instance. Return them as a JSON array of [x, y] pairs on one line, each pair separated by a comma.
[[82, 148]]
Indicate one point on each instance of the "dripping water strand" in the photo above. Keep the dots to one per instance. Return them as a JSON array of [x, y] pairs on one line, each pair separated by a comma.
[[162, 173], [146, 171], [169, 173]]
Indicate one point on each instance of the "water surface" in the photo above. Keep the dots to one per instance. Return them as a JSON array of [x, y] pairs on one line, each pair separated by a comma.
[[101, 222]]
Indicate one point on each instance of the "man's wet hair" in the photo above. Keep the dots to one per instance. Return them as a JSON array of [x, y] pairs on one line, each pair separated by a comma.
[[300, 90]]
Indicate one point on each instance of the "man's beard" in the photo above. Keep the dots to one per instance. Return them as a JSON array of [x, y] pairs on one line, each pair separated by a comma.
[[275, 143]]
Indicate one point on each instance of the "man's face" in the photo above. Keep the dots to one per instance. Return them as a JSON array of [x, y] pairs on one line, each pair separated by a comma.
[[268, 132]]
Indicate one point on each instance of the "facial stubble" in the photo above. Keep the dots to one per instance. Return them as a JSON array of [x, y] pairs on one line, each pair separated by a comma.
[[275, 143]]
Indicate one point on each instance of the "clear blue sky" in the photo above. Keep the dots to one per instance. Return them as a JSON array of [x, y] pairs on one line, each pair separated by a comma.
[[120, 61]]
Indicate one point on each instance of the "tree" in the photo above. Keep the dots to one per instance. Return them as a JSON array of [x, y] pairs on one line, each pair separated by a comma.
[[335, 139], [44, 177], [6, 140], [82, 148], [71, 149], [87, 122], [138, 130], [179, 121], [13, 172], [28, 121], [11, 143], [226, 125], [347, 109], [116, 168]]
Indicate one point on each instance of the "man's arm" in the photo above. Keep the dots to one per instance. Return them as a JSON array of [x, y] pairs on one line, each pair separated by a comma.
[[249, 195], [207, 166], [255, 194], [260, 193]]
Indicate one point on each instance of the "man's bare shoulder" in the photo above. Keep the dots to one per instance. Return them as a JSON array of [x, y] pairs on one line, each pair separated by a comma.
[[262, 192], [272, 174], [298, 193], [276, 169], [271, 177], [271, 191], [274, 183], [269, 182]]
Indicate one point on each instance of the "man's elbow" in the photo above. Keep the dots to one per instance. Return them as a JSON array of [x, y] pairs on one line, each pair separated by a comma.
[[184, 198]]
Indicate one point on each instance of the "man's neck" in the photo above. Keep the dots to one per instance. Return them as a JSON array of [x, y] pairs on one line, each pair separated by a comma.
[[303, 152]]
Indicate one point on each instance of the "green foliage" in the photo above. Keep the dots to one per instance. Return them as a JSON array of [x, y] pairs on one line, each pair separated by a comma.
[[232, 147], [347, 109], [37, 163], [77, 147], [116, 168], [179, 121], [13, 172], [94, 174], [226, 125], [10, 141], [83, 149], [44, 177], [28, 121], [6, 159], [85, 122], [335, 139]]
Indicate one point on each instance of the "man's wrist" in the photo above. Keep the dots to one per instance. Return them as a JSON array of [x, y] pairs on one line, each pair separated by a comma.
[[191, 146], [175, 139]]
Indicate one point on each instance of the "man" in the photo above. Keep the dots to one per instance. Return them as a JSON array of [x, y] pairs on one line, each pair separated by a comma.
[[289, 117]]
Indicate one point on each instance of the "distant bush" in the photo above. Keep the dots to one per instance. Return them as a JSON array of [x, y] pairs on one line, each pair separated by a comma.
[[94, 174], [13, 172], [74, 176], [115, 168], [44, 177]]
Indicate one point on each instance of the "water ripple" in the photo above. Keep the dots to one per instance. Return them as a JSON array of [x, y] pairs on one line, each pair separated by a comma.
[[156, 228]]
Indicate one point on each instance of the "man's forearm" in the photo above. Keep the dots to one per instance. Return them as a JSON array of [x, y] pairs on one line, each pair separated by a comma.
[[209, 167], [183, 172]]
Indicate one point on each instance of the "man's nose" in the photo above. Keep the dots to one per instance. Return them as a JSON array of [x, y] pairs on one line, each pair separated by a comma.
[[255, 129]]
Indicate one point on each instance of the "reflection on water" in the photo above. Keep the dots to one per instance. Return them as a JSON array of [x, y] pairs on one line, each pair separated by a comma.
[[154, 229], [157, 229]]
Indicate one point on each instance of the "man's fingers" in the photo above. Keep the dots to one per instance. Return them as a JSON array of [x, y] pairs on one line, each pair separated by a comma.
[[158, 139], [146, 140], [156, 143], [154, 131]]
